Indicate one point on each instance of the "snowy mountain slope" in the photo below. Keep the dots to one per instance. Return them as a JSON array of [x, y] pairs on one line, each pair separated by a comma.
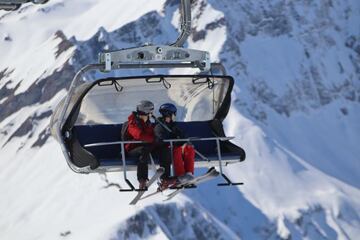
[[295, 111]]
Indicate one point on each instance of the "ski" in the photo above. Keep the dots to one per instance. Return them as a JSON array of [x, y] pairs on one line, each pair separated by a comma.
[[156, 192], [157, 174], [212, 173], [151, 194]]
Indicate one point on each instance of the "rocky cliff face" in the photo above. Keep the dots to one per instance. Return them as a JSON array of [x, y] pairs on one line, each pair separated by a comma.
[[174, 222], [307, 38], [297, 71]]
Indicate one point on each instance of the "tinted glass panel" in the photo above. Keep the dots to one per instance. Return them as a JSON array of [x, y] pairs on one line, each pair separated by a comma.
[[197, 99]]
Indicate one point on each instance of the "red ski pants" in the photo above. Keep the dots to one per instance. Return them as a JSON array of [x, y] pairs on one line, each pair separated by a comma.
[[184, 159]]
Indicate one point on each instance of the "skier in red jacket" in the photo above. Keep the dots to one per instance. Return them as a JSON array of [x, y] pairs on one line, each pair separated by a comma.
[[139, 128]]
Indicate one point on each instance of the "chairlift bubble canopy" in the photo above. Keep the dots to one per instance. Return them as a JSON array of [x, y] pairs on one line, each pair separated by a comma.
[[91, 127]]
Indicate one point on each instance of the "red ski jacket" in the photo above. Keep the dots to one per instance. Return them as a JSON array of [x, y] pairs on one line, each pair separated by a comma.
[[138, 130]]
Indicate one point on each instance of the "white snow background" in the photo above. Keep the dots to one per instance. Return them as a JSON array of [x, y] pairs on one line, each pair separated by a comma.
[[295, 110]]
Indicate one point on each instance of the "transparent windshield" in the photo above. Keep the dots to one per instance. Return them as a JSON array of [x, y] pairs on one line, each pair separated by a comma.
[[196, 98]]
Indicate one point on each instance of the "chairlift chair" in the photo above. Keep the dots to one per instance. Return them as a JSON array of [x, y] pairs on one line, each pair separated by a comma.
[[88, 121]]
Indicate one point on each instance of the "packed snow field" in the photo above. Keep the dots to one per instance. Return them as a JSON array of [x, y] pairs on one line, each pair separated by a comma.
[[295, 110]]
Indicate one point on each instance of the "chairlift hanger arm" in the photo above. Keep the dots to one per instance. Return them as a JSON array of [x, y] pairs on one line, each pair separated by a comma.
[[185, 10], [160, 56]]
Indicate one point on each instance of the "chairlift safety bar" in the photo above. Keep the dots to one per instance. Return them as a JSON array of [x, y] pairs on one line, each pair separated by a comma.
[[168, 140], [171, 141]]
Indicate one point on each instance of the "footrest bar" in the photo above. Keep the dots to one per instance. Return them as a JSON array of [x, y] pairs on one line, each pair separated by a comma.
[[190, 186], [228, 182], [132, 188]]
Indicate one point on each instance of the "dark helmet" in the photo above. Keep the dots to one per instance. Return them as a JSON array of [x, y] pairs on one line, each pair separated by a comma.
[[145, 107], [167, 109]]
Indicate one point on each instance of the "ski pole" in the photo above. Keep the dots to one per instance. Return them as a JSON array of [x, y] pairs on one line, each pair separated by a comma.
[[169, 130], [161, 123]]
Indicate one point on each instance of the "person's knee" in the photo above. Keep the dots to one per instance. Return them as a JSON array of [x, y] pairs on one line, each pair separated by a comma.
[[145, 150]]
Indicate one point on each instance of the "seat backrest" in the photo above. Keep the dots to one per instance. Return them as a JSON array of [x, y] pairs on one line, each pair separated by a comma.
[[199, 129], [100, 133]]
